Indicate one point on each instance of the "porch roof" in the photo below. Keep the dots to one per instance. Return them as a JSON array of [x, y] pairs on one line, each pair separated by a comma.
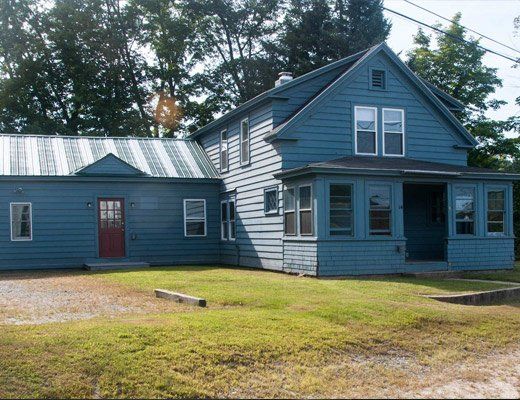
[[396, 166]]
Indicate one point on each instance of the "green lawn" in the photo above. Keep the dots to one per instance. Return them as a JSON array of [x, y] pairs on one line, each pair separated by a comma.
[[263, 334], [507, 276]]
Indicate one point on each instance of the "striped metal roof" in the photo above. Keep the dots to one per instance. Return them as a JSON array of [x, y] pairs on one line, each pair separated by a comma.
[[27, 155]]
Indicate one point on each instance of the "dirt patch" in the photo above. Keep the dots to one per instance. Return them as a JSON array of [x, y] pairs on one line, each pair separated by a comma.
[[43, 297]]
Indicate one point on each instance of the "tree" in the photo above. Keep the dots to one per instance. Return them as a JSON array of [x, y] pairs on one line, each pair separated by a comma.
[[457, 67], [317, 32], [237, 37]]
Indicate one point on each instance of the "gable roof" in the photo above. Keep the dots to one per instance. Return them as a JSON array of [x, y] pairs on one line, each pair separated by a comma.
[[280, 131], [276, 92], [110, 165], [27, 155], [398, 166]]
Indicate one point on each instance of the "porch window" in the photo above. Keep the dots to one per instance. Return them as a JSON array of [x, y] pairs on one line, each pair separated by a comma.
[[496, 212], [194, 217], [289, 212], [224, 158], [21, 221], [227, 220], [465, 210], [340, 210], [366, 130], [393, 132], [380, 210], [244, 142], [305, 209]]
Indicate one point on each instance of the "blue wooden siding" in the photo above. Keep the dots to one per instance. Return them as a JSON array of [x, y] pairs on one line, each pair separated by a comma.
[[258, 242], [65, 228], [329, 132], [110, 165], [480, 253]]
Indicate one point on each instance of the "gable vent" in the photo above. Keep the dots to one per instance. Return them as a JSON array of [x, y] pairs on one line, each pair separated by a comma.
[[378, 79]]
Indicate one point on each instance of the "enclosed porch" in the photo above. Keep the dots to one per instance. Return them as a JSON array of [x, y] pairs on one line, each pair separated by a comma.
[[395, 219]]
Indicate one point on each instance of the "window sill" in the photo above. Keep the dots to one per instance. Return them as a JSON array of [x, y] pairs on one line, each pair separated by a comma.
[[271, 213], [299, 239]]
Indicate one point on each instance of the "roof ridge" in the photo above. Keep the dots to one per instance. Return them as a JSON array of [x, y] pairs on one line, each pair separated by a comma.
[[277, 89]]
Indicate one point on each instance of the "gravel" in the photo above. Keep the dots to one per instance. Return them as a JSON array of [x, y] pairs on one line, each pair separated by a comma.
[[57, 296]]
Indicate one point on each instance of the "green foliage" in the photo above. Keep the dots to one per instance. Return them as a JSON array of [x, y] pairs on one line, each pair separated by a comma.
[[457, 68], [160, 67], [316, 32]]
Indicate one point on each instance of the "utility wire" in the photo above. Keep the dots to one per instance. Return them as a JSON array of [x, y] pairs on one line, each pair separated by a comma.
[[460, 39], [462, 26]]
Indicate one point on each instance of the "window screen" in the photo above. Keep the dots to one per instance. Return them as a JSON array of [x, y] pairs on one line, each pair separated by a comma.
[[340, 210], [21, 223], [366, 135], [496, 212], [195, 217]]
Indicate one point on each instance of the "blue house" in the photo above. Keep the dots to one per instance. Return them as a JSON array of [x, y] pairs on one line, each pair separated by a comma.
[[359, 167]]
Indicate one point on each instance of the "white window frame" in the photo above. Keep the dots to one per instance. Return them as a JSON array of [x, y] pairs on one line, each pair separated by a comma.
[[224, 146], [310, 209], [385, 132], [228, 220], [241, 141], [234, 220], [267, 190], [20, 203], [224, 222], [356, 131], [195, 219]]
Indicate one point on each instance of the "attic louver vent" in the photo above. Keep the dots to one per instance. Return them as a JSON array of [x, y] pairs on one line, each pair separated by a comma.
[[378, 79]]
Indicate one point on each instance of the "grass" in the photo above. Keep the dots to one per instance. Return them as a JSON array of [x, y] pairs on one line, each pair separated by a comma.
[[262, 335], [506, 276]]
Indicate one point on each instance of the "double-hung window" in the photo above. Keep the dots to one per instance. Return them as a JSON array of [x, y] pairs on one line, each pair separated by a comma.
[[271, 200], [380, 210], [340, 210], [305, 209], [465, 210], [393, 132], [224, 155], [244, 142], [227, 220], [366, 130], [21, 221], [496, 212], [289, 216], [194, 217]]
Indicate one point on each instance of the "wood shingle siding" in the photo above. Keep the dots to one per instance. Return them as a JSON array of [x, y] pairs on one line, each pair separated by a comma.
[[65, 228]]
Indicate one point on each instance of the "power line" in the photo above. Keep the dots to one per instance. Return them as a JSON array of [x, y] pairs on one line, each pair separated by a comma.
[[462, 26], [460, 39]]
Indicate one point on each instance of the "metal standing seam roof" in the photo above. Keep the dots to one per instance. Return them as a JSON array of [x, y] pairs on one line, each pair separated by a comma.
[[28, 155]]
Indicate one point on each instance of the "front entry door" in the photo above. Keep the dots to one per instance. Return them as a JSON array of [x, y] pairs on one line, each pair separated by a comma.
[[111, 222]]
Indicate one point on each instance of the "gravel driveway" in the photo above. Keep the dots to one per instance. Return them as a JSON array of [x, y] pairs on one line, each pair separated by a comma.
[[57, 296]]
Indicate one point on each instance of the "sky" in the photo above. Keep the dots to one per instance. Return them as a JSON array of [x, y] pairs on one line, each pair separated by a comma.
[[493, 18]]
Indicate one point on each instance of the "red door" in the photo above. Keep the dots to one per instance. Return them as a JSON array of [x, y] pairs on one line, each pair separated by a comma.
[[111, 227]]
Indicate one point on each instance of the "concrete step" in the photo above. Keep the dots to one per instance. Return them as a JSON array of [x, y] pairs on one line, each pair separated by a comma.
[[103, 266]]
